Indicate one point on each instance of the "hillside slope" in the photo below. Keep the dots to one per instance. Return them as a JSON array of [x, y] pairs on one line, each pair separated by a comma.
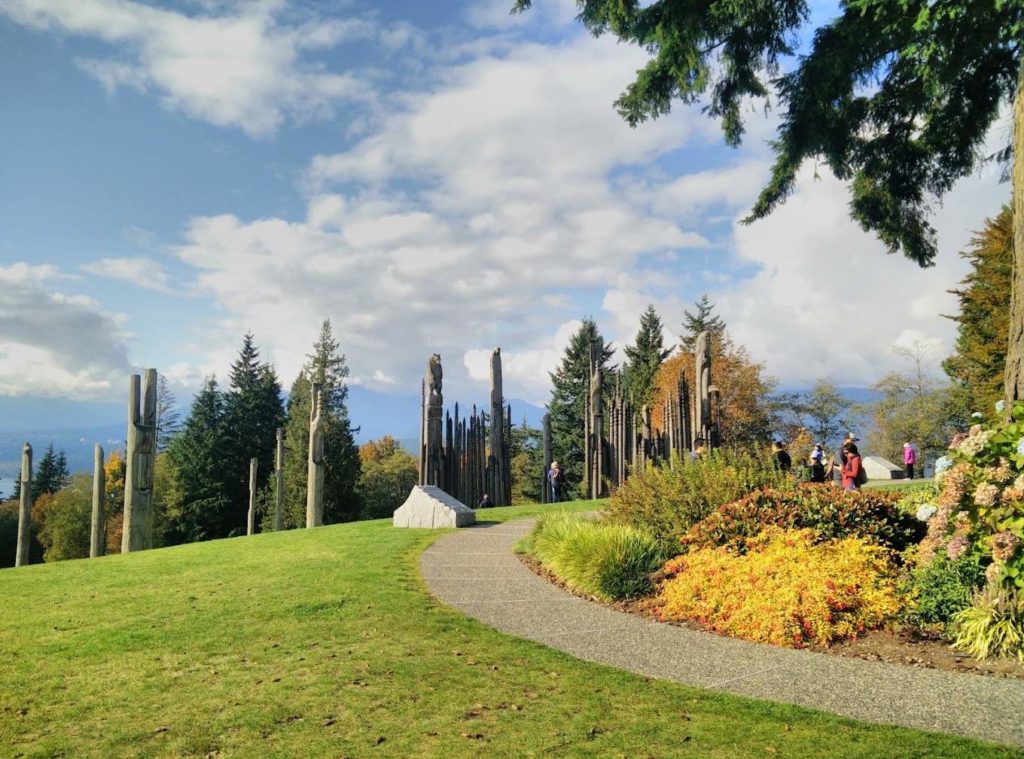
[[324, 643]]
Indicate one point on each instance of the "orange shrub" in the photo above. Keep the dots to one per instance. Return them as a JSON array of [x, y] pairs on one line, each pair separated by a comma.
[[786, 590]]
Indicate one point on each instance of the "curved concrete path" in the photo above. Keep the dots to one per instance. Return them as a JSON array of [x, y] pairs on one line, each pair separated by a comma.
[[475, 571]]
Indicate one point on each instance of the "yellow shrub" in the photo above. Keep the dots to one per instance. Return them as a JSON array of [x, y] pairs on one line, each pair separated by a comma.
[[786, 590]]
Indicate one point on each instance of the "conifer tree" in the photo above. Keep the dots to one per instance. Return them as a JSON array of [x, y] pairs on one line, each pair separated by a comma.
[[570, 386], [198, 507], [643, 359], [51, 473], [168, 420], [327, 366], [976, 367], [704, 320], [253, 411]]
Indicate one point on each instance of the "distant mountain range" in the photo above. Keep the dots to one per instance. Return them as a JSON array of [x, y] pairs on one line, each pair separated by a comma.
[[76, 427]]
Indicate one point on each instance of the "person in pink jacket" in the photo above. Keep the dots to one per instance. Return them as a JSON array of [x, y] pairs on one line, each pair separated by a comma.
[[851, 467], [909, 459]]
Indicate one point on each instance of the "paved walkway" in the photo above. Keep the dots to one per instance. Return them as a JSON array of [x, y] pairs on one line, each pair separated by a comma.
[[475, 571]]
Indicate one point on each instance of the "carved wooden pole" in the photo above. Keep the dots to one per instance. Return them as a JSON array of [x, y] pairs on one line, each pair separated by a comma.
[[279, 482], [24, 507], [250, 523], [546, 487], [315, 469], [495, 460], [98, 534], [141, 450]]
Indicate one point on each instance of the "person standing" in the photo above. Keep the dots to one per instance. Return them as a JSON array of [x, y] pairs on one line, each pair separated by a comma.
[[557, 481], [851, 467], [909, 459], [783, 461], [817, 464], [835, 465]]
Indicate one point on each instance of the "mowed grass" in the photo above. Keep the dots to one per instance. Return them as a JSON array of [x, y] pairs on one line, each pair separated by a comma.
[[899, 484], [325, 643]]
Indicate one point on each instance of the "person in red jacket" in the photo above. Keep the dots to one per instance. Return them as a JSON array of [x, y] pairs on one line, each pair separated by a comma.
[[851, 466]]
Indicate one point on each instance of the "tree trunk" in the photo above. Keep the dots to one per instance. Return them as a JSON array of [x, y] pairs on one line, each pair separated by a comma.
[[1014, 376]]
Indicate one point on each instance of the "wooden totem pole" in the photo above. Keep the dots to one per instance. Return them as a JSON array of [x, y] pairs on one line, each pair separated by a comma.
[[250, 521], [431, 436], [98, 533], [545, 482], [139, 458], [24, 507], [315, 470], [595, 464], [279, 482], [497, 472], [702, 422]]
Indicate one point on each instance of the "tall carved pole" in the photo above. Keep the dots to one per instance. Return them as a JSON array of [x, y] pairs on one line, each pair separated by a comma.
[[24, 507], [98, 534], [546, 484], [138, 479], [496, 443], [702, 399], [433, 451], [279, 482], [250, 522], [315, 469], [596, 426]]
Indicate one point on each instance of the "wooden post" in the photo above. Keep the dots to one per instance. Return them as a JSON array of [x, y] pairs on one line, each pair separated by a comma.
[[546, 488], [98, 534], [315, 468], [139, 458], [250, 527], [279, 482], [24, 507]]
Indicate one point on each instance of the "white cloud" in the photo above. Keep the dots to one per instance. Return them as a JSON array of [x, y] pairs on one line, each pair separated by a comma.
[[141, 272], [827, 300], [52, 344], [473, 216], [239, 65]]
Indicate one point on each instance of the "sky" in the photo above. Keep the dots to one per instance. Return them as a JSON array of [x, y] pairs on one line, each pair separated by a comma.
[[431, 177]]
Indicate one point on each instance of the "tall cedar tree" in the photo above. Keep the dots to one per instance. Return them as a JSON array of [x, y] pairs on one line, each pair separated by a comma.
[[704, 320], [253, 410], [643, 359], [977, 365], [199, 507], [341, 455], [527, 463], [51, 473], [895, 98], [168, 420], [570, 387]]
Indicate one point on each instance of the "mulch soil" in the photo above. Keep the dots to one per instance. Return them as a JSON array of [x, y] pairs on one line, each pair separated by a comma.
[[909, 648]]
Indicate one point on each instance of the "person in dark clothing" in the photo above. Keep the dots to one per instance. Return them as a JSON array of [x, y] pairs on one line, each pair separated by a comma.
[[557, 481], [485, 502], [783, 462], [817, 464]]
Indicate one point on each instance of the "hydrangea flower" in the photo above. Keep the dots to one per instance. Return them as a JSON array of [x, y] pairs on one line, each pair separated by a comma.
[[1020, 446], [1000, 406], [1004, 545], [976, 415], [986, 494], [926, 510], [943, 463], [957, 547]]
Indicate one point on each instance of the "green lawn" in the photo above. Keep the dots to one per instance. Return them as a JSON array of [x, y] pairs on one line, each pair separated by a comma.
[[324, 643], [899, 484]]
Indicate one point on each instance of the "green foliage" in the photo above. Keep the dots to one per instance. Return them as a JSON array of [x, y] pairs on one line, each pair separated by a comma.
[[982, 328], [704, 320], [643, 358], [51, 473], [942, 589], [388, 474], [670, 499], [198, 508], [823, 411], [912, 407], [895, 98], [327, 366], [830, 512], [609, 561], [8, 532], [914, 497], [993, 626], [253, 411], [527, 464], [65, 533], [168, 420], [569, 388]]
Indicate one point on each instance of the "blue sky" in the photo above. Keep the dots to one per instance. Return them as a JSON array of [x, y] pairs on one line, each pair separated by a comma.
[[431, 176]]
